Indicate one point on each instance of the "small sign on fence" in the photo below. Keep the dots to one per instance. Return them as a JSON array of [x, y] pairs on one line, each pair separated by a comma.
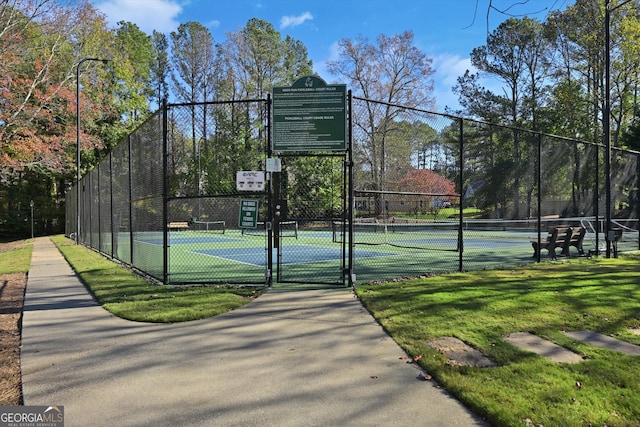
[[250, 181], [248, 214]]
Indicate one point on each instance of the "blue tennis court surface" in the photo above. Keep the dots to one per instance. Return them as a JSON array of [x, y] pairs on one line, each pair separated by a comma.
[[188, 240], [294, 254]]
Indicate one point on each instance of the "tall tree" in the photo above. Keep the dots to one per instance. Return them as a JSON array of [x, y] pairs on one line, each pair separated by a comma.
[[41, 47], [41, 43], [296, 61], [193, 58], [133, 60], [193, 61], [160, 67], [516, 53], [578, 32], [260, 59], [580, 91], [394, 71], [250, 63]]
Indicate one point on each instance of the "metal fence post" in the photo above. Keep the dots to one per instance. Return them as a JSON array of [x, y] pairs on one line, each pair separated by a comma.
[[351, 197], [130, 204], [461, 184], [597, 199], [165, 195], [539, 185], [270, 197], [114, 238]]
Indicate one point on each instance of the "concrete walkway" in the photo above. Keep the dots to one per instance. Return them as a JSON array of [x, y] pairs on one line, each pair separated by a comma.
[[533, 343], [287, 359]]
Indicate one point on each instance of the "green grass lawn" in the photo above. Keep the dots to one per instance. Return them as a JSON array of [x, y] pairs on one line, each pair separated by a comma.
[[18, 258], [480, 307], [129, 296], [477, 307]]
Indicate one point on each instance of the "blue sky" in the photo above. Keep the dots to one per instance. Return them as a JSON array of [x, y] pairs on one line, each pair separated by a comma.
[[446, 30]]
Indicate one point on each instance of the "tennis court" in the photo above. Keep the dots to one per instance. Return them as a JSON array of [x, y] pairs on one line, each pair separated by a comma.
[[312, 250], [403, 209], [201, 256]]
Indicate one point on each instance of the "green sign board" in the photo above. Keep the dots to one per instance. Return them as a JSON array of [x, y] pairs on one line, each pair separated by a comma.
[[310, 116], [248, 214]]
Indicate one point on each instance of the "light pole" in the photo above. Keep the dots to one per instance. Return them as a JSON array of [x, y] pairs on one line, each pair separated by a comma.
[[31, 206], [83, 60]]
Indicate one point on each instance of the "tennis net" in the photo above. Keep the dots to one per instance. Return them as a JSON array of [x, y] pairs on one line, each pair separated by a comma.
[[213, 226], [287, 229], [445, 235]]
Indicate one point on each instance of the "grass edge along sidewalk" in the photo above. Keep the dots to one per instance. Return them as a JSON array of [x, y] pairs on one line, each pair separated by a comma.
[[481, 307], [129, 296], [15, 260]]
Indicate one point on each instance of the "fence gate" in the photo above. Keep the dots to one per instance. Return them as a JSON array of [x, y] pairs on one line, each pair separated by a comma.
[[309, 217]]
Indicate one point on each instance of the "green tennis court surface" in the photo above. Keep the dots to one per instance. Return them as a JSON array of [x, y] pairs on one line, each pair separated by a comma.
[[381, 251], [293, 254]]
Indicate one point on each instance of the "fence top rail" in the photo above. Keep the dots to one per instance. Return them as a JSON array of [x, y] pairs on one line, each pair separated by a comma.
[[231, 101], [407, 193], [469, 119]]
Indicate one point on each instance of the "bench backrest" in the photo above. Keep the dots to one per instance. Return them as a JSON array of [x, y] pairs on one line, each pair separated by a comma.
[[553, 235], [564, 232], [578, 233]]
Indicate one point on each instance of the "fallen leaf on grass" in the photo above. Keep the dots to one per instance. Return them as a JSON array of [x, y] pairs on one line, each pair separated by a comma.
[[413, 360], [424, 376]]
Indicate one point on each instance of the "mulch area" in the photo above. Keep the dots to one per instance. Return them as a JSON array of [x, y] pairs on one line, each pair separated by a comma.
[[12, 289]]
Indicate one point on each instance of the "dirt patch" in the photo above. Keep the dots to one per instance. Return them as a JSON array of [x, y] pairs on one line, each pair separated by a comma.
[[12, 288], [635, 331], [459, 353], [10, 245]]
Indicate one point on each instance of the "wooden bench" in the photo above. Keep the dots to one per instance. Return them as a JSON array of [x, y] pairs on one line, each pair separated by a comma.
[[576, 240], [178, 225], [548, 243], [555, 239], [561, 237]]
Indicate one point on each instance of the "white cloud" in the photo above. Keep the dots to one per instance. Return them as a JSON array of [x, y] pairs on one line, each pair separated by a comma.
[[450, 67], [334, 51], [148, 15], [447, 70], [320, 67], [294, 21], [213, 24]]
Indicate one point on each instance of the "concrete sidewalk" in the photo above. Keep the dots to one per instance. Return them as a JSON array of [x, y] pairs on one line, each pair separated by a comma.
[[287, 359]]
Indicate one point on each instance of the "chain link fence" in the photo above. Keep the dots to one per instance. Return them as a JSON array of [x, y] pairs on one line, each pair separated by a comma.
[[436, 193], [417, 193], [165, 201]]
